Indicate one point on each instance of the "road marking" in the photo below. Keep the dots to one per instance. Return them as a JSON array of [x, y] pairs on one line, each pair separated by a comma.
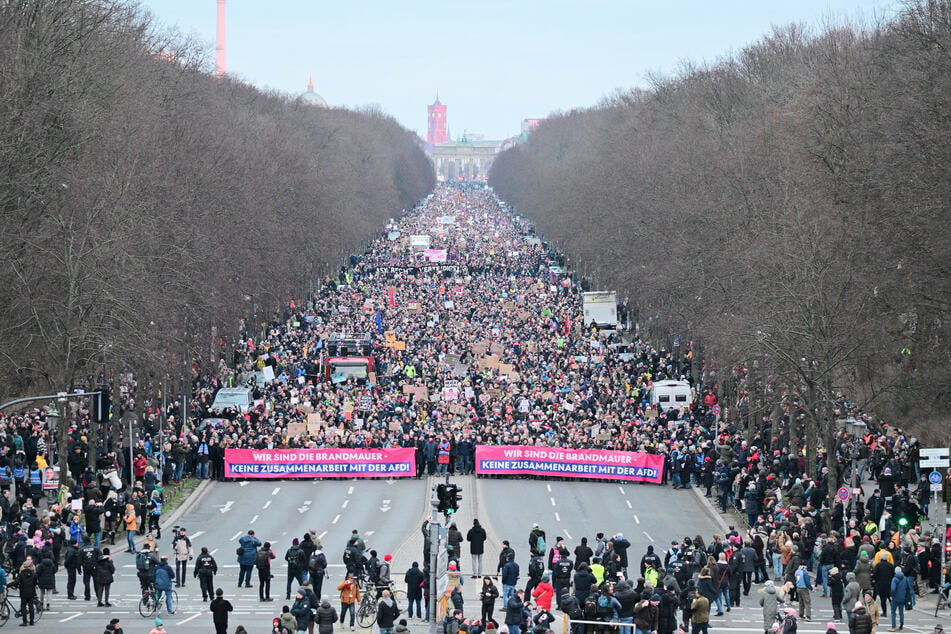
[[350, 491], [236, 536], [629, 504], [321, 536], [557, 518], [336, 519], [552, 501], [567, 534], [267, 504], [636, 519], [253, 519], [369, 533], [70, 618], [243, 484], [549, 487], [191, 618], [211, 553], [196, 534], [386, 506], [276, 489], [345, 503], [621, 489], [224, 508], [648, 536]]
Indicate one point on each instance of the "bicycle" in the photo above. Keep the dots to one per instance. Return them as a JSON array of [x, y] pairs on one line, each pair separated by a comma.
[[944, 598], [366, 613], [7, 607], [150, 604]]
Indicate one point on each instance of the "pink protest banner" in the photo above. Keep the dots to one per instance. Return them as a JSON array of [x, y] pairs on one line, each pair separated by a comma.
[[596, 464], [320, 463]]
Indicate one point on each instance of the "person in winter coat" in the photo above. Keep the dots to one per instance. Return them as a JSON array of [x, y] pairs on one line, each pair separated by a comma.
[[205, 570], [583, 581], [73, 562], [476, 538], [627, 599], [667, 614], [770, 604], [901, 590], [700, 613], [646, 615], [863, 571], [871, 606], [182, 547], [325, 617], [836, 592], [401, 627], [509, 580], [246, 558], [349, 596], [543, 593], [46, 578], [386, 613], [851, 593], [414, 579], [513, 613], [220, 607], [262, 562], [488, 594], [705, 585], [301, 611], [103, 576], [164, 574], [26, 580], [131, 521], [861, 621]]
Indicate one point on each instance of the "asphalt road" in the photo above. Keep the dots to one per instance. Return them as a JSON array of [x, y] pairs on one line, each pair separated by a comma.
[[388, 514]]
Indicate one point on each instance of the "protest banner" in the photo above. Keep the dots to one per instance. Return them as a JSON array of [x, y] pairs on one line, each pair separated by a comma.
[[596, 464], [320, 463]]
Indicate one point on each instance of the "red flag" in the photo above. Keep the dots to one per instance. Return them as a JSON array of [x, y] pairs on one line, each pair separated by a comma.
[[392, 295]]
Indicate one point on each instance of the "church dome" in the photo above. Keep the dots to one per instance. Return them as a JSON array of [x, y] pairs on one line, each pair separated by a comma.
[[311, 98]]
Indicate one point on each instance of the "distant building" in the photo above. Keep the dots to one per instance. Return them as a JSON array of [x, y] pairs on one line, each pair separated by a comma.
[[436, 125], [311, 98], [464, 159]]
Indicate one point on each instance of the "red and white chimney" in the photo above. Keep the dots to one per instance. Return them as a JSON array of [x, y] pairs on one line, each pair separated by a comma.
[[220, 46]]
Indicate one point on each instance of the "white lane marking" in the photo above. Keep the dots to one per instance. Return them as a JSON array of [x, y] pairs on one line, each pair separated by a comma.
[[629, 504], [648, 536], [253, 519], [236, 536], [350, 491], [345, 503], [549, 487], [621, 489], [552, 501], [224, 508], [213, 552], [70, 618], [321, 536], [557, 517], [567, 534], [196, 534], [191, 618], [369, 533], [267, 504], [336, 519], [276, 489], [636, 519], [243, 484]]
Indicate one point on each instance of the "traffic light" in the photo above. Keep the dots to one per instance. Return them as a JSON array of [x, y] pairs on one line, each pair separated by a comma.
[[447, 498], [101, 405]]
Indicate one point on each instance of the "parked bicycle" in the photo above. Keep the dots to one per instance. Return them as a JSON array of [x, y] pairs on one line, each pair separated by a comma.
[[150, 603], [366, 613]]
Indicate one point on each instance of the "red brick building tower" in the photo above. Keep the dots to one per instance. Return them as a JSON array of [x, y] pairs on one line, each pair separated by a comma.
[[436, 128]]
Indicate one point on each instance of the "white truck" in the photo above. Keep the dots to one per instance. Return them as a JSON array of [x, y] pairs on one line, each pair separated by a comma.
[[600, 309]]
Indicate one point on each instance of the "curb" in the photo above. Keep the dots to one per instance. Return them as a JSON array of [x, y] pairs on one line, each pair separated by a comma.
[[710, 510], [187, 504]]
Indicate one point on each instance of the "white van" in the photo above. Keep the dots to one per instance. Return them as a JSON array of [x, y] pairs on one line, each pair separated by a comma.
[[671, 394], [239, 398]]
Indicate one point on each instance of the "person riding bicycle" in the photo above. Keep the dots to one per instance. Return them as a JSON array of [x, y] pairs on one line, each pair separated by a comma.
[[146, 562], [164, 574]]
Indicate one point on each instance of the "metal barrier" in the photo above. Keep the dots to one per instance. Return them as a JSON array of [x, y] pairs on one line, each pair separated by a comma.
[[567, 622]]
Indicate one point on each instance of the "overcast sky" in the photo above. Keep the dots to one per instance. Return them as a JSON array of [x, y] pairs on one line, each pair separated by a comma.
[[494, 62]]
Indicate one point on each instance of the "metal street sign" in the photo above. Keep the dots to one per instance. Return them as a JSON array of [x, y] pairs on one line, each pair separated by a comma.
[[935, 486], [934, 452], [935, 462], [934, 477], [842, 494]]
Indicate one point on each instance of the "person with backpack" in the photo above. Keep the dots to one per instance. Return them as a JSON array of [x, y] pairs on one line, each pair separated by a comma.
[[205, 570], [247, 557], [145, 563], [536, 541], [295, 566], [317, 568], [262, 561], [90, 555], [789, 624]]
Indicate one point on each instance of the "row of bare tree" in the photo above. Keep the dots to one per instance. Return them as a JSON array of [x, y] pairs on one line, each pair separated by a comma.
[[145, 204], [787, 209]]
